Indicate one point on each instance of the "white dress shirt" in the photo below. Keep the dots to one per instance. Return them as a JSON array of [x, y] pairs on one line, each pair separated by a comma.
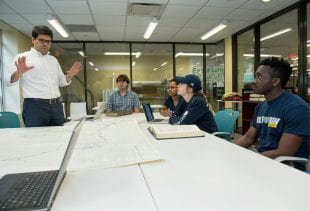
[[42, 81]]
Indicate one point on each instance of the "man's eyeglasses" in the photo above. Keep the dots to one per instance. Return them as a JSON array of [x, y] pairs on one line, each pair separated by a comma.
[[172, 87], [43, 41]]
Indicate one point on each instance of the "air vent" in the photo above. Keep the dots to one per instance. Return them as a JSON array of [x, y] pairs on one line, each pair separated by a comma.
[[81, 28], [149, 10]]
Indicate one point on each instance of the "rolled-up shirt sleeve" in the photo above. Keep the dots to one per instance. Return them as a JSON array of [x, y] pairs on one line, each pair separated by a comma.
[[62, 79]]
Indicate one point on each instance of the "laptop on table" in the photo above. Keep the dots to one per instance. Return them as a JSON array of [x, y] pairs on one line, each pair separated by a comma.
[[35, 190], [150, 116]]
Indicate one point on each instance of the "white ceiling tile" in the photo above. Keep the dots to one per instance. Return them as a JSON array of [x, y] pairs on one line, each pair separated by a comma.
[[181, 37], [201, 22], [244, 14], [259, 5], [86, 35], [150, 1], [138, 30], [213, 13], [70, 8], [226, 3], [77, 19], [108, 8], [111, 36], [173, 21], [28, 6], [104, 0], [5, 9], [109, 20], [13, 18], [180, 11], [25, 28], [284, 4], [188, 2], [36, 19], [166, 30], [102, 29], [138, 21]]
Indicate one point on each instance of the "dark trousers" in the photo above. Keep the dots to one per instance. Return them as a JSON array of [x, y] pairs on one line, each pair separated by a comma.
[[36, 113]]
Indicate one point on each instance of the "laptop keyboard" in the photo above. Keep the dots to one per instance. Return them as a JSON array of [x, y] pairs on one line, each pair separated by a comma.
[[30, 190]]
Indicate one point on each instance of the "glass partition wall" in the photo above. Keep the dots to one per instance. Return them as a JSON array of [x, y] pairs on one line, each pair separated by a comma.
[[104, 62], [279, 38], [152, 66], [149, 68], [67, 54]]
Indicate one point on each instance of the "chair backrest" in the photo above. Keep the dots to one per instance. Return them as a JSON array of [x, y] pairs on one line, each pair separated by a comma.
[[77, 110], [225, 120], [9, 120]]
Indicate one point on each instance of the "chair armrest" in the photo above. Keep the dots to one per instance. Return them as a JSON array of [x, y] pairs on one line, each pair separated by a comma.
[[224, 135], [291, 158]]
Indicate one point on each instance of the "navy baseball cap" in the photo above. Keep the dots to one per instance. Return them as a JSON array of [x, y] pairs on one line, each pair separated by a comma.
[[191, 80]]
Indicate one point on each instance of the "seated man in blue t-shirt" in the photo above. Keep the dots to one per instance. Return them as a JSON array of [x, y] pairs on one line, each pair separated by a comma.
[[173, 100], [281, 123]]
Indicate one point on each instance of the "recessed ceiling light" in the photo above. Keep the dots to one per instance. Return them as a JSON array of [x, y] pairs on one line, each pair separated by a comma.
[[266, 1]]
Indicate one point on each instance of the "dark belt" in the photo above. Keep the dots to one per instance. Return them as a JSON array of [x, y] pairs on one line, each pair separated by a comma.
[[49, 101]]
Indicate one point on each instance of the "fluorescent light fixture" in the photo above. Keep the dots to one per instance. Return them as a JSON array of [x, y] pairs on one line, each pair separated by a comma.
[[81, 53], [276, 34], [121, 53], [138, 54], [91, 64], [262, 55], [163, 64], [57, 26], [190, 54], [217, 55], [308, 45], [155, 69], [215, 30], [150, 28], [308, 56], [96, 69], [134, 63], [266, 1]]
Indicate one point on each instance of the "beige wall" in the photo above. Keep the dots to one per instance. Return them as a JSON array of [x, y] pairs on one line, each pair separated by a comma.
[[13, 42]]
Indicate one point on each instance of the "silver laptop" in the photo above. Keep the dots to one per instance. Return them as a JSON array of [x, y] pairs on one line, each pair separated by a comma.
[[150, 116], [35, 190], [98, 113]]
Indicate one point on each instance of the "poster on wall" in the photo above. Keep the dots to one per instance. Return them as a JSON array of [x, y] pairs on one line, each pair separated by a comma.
[[248, 76]]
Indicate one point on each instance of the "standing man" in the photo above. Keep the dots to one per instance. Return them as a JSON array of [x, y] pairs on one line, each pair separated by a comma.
[[281, 123], [40, 76], [123, 99]]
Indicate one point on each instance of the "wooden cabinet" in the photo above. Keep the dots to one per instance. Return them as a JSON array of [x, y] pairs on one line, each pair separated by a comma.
[[248, 107]]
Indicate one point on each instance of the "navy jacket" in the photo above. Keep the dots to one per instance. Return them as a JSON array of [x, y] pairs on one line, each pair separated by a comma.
[[197, 112]]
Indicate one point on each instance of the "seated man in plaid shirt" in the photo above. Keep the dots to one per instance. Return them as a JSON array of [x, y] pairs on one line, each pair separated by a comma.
[[123, 99]]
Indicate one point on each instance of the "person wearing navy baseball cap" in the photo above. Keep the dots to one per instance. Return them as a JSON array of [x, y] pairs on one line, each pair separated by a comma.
[[196, 110]]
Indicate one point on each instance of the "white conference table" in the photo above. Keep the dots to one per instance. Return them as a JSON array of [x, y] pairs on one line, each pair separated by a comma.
[[204, 173]]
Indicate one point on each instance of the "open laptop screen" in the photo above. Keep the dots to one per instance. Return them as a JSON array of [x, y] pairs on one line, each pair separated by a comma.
[[148, 112], [66, 159]]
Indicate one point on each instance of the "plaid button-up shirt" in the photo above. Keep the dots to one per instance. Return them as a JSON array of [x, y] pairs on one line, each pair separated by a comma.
[[123, 103]]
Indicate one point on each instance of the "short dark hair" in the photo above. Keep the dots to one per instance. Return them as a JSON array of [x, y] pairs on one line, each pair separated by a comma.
[[37, 30], [173, 80], [122, 77], [280, 68]]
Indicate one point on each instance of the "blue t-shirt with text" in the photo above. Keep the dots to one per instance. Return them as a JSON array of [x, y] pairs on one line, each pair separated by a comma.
[[288, 113]]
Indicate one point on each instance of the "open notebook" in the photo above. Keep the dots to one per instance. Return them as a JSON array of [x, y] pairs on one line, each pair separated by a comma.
[[175, 131]]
